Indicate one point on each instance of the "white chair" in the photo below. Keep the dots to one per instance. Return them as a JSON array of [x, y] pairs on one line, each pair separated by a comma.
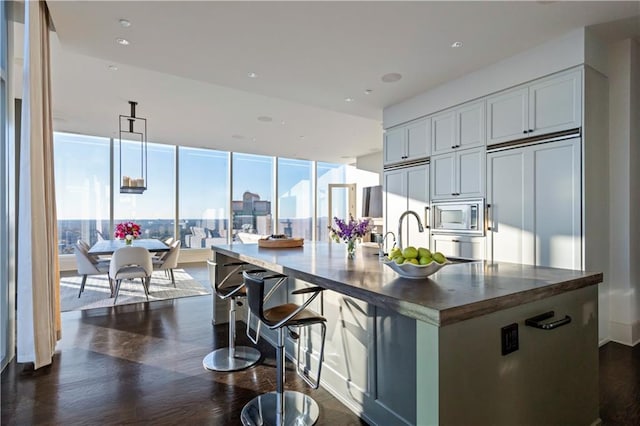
[[169, 261], [87, 264], [129, 263]]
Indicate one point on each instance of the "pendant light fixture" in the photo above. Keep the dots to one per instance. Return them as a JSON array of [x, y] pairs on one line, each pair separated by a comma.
[[133, 175]]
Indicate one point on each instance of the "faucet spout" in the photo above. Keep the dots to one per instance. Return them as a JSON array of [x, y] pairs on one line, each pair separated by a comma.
[[381, 243], [402, 216]]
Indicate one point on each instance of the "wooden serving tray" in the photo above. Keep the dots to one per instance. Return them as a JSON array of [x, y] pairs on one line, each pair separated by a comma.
[[281, 242]]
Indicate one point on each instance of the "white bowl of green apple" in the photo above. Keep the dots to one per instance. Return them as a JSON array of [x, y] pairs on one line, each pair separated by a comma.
[[415, 263]]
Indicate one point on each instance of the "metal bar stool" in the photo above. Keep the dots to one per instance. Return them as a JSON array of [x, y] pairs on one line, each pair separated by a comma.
[[283, 407], [231, 358]]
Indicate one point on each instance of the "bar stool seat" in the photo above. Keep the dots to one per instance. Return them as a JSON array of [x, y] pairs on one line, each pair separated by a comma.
[[231, 358], [304, 317], [282, 407]]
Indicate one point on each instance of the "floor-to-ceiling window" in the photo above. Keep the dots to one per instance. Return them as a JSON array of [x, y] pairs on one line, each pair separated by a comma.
[[203, 187], [154, 209], [82, 170], [252, 194], [295, 198], [208, 203]]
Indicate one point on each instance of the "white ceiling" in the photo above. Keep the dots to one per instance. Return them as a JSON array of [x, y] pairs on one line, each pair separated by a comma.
[[187, 64]]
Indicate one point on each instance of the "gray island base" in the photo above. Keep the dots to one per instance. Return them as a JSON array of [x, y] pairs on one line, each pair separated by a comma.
[[452, 349]]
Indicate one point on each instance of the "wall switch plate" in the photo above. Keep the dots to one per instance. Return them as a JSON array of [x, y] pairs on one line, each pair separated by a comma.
[[509, 337]]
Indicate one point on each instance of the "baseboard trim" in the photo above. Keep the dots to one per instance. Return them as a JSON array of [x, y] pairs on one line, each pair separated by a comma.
[[625, 334]]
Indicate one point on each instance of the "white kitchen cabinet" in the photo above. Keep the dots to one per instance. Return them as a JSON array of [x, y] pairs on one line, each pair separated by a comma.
[[458, 128], [534, 205], [407, 188], [547, 105], [459, 246], [458, 174], [409, 142]]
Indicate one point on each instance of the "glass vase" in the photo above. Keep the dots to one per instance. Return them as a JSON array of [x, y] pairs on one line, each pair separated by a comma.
[[351, 249], [128, 241]]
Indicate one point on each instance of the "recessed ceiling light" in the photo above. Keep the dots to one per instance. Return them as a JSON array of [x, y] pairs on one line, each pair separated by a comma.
[[456, 44], [283, 122], [237, 136], [113, 68], [124, 23], [348, 99], [302, 137], [368, 91], [265, 118], [122, 41], [254, 139], [252, 75], [392, 77]]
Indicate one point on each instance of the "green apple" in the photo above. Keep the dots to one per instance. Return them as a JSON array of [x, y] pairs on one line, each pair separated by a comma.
[[395, 251], [425, 260], [439, 257], [410, 252], [413, 260], [424, 252], [399, 260]]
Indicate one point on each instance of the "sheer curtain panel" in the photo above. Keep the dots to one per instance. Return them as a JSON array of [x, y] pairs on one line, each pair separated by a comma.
[[38, 299]]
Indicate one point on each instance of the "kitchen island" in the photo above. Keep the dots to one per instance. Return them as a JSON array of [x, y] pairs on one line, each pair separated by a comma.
[[430, 351]]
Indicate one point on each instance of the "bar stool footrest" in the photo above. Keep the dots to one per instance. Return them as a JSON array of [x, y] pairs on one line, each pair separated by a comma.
[[220, 359], [299, 409]]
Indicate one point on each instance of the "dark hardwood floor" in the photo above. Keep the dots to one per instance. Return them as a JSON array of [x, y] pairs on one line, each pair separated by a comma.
[[620, 384], [142, 364]]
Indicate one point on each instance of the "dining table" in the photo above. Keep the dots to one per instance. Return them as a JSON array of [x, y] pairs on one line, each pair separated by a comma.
[[104, 247]]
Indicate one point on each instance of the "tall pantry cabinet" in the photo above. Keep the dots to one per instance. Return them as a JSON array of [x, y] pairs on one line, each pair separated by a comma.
[[534, 204]]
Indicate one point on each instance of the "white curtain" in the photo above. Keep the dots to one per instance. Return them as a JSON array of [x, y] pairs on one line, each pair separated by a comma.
[[38, 298]]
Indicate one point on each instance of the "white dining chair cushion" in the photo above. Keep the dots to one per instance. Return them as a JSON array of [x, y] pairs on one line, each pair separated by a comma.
[[126, 257]]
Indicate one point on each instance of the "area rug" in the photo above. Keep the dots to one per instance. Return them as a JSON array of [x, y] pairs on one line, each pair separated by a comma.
[[96, 291]]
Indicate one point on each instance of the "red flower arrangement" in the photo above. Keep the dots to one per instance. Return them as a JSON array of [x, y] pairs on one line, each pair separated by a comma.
[[127, 228]]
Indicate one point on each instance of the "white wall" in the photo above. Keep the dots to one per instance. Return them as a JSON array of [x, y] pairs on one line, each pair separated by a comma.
[[556, 55], [371, 163], [634, 178], [623, 188]]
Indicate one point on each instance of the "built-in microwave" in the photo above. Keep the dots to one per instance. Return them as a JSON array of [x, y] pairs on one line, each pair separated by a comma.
[[458, 217]]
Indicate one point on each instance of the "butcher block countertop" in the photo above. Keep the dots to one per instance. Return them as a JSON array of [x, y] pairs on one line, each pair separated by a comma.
[[457, 292]]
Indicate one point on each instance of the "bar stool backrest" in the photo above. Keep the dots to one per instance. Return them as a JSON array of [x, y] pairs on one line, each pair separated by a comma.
[[255, 294]]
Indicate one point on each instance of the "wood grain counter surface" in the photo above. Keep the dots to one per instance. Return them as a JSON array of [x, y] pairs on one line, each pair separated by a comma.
[[456, 293]]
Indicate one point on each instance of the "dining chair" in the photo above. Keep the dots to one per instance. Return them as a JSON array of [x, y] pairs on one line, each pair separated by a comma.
[[169, 261], [87, 264], [130, 262]]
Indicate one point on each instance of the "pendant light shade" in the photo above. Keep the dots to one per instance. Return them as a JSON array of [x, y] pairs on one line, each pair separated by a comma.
[[133, 173]]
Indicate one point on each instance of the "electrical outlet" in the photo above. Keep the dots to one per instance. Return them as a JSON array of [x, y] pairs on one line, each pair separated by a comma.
[[509, 334]]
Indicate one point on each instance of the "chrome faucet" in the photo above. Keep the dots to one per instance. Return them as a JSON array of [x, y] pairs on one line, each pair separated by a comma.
[[382, 240], [402, 216]]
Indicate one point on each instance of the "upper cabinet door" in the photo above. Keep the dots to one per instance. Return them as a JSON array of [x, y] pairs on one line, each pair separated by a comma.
[[443, 176], [470, 125], [394, 145], [555, 104], [418, 139], [443, 132], [470, 172], [507, 116]]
